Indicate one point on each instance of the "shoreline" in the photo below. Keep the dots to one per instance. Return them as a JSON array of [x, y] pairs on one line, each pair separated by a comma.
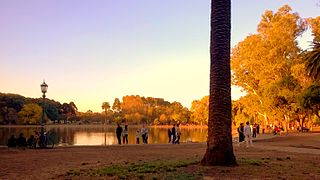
[[99, 126]]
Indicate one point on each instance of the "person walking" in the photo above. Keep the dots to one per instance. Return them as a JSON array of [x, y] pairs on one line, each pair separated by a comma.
[[118, 133], [178, 131], [247, 134], [125, 135], [173, 132]]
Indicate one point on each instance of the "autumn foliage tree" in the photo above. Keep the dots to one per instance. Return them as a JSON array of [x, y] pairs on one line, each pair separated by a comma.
[[200, 111], [30, 114], [263, 60]]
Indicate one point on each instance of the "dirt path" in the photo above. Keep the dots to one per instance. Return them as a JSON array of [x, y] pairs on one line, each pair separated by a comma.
[[297, 143], [54, 163]]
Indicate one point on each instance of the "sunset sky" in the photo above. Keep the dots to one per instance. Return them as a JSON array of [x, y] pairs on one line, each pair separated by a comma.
[[94, 51]]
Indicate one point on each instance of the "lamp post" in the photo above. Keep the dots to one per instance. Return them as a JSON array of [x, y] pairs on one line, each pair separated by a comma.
[[44, 88]]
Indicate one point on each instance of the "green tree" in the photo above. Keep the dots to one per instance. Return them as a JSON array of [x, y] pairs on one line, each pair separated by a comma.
[[219, 144], [313, 62], [116, 107], [310, 99], [30, 114], [106, 107], [313, 57], [68, 111]]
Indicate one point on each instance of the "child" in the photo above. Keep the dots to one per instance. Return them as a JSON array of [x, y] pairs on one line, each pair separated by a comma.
[[138, 137]]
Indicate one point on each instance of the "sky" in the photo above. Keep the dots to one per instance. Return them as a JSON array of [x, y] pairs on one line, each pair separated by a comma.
[[91, 52]]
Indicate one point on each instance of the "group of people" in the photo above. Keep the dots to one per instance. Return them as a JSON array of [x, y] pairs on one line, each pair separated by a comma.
[[39, 139], [246, 134], [124, 132], [22, 142], [277, 130], [174, 134]]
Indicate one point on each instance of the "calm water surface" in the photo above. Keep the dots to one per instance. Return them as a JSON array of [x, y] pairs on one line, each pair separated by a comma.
[[99, 135]]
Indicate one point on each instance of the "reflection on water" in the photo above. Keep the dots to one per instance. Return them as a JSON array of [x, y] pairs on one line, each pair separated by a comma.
[[99, 135]]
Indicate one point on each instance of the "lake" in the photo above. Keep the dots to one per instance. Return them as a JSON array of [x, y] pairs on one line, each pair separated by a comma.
[[86, 135]]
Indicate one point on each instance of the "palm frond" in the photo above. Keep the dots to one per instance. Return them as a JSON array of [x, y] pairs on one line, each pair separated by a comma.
[[313, 62]]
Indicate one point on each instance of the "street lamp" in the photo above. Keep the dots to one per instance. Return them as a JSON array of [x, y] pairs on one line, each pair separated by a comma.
[[44, 88]]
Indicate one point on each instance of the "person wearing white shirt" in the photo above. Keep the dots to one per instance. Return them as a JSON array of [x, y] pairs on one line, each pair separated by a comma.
[[247, 134]]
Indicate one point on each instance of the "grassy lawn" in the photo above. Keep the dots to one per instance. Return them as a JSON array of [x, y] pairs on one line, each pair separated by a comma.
[[252, 164]]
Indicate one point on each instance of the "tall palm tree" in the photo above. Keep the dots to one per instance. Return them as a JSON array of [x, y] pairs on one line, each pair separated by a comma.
[[313, 61], [219, 144], [105, 106]]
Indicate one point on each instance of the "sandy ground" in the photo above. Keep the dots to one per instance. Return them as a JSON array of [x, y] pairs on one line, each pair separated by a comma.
[[54, 163]]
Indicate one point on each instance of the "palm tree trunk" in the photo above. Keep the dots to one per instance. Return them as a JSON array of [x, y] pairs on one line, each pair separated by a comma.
[[219, 144]]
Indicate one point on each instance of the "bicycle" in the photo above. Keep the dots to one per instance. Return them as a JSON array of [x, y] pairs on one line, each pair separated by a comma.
[[46, 140]]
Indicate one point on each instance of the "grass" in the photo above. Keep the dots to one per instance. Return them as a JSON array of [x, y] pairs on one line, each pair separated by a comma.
[[147, 170], [262, 165], [254, 162]]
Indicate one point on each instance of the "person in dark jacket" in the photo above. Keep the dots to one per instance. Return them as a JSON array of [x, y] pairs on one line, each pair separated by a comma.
[[31, 142], [169, 135], [173, 132], [240, 131], [21, 141], [119, 132], [12, 141]]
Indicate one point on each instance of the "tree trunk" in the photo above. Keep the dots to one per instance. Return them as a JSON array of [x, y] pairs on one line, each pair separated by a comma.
[[219, 144]]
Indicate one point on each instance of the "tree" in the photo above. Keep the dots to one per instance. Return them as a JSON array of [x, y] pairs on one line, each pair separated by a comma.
[[313, 57], [116, 107], [68, 111], [219, 144], [106, 107], [133, 108], [264, 59], [199, 111], [30, 114], [310, 99], [313, 61]]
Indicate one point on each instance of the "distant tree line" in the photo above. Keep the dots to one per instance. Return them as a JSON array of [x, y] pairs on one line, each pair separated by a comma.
[[17, 109], [133, 109]]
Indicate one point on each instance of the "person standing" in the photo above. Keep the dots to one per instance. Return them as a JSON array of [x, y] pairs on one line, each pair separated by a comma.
[[119, 132], [247, 134], [173, 132], [178, 131], [241, 134], [254, 130], [125, 135], [144, 134], [138, 137], [169, 135]]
